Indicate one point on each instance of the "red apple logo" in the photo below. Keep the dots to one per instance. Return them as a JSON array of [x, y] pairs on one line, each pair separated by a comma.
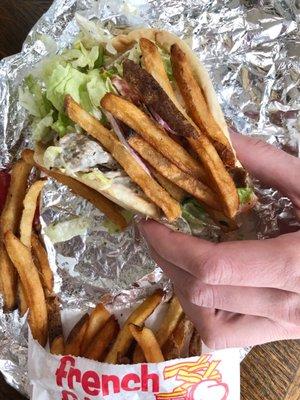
[[209, 390]]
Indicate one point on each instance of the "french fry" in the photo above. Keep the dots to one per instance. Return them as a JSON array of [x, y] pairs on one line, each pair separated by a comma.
[[197, 107], [195, 345], [154, 65], [9, 221], [11, 214], [170, 321], [223, 182], [30, 203], [152, 133], [148, 343], [23, 262], [75, 338], [170, 171], [150, 187], [98, 318], [138, 317], [110, 209], [175, 191], [175, 344], [100, 342], [9, 281], [42, 263], [22, 302], [56, 337]]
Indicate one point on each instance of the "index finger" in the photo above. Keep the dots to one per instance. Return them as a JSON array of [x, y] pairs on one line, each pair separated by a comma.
[[266, 263]]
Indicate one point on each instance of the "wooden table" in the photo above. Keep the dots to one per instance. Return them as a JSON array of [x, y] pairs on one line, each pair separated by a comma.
[[269, 372]]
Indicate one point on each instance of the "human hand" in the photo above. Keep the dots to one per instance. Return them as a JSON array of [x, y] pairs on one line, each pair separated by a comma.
[[245, 292]]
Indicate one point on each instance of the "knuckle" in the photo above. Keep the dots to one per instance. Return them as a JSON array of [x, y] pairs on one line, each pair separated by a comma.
[[200, 295], [218, 269], [290, 311]]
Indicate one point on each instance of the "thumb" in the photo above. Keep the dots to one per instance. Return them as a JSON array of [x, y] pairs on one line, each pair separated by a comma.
[[271, 166]]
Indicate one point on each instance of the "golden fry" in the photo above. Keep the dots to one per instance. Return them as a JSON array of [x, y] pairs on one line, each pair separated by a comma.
[[137, 317], [151, 188], [22, 302], [30, 203], [9, 221], [174, 346], [75, 338], [152, 133], [155, 66], [195, 346], [110, 209], [98, 318], [148, 343], [9, 280], [100, 342], [22, 260], [170, 321], [56, 337], [170, 171], [42, 263], [11, 214], [175, 191], [221, 179], [197, 106]]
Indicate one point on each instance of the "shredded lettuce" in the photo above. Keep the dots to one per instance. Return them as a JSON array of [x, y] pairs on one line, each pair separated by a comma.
[[96, 175], [63, 81], [167, 64], [63, 125], [135, 53], [245, 195], [78, 72], [33, 99], [50, 156], [97, 87], [66, 230], [82, 58], [92, 32], [193, 213], [42, 128]]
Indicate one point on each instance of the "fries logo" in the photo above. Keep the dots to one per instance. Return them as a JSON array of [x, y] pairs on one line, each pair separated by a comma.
[[200, 381]]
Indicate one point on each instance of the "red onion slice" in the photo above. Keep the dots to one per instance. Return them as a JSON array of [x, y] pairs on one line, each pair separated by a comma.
[[125, 90], [119, 133], [161, 122]]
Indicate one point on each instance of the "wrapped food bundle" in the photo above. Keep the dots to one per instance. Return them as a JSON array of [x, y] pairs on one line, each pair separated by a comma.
[[120, 123]]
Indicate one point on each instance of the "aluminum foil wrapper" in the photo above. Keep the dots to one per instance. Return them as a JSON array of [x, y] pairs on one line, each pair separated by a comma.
[[251, 50]]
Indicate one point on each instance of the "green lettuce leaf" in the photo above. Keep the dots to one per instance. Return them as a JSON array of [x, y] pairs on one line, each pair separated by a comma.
[[50, 156], [81, 58], [33, 98], [193, 213], [245, 195], [64, 80], [66, 230], [42, 131], [103, 181], [63, 125]]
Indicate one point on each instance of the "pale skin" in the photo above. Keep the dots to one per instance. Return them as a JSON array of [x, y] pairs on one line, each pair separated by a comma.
[[239, 293]]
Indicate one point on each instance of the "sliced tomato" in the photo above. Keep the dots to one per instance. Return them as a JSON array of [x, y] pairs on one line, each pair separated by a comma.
[[4, 185]]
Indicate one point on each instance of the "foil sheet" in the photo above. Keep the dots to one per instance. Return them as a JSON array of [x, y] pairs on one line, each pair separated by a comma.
[[251, 49]]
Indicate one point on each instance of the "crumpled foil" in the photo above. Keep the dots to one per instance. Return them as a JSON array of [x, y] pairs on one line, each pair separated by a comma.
[[251, 49]]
